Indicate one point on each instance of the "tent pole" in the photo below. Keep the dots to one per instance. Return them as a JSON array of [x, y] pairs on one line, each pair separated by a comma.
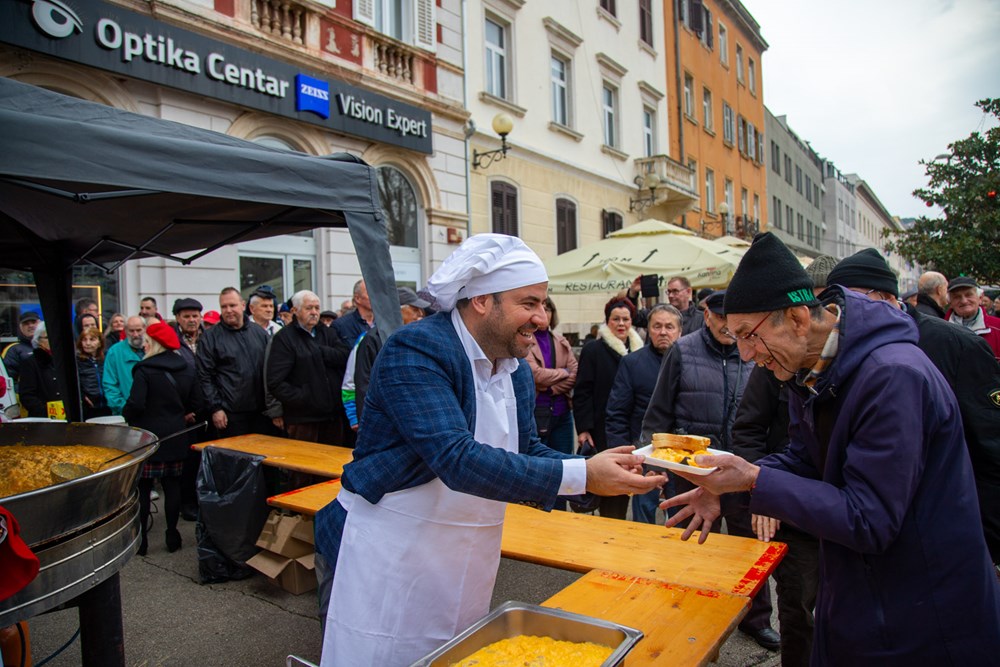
[[55, 292]]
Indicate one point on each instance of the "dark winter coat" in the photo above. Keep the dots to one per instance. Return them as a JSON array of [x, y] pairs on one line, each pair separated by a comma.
[[630, 394], [91, 374], [364, 361], [159, 405], [305, 373], [965, 361], [350, 327], [929, 306], [877, 469], [594, 377], [761, 425], [698, 390], [231, 367], [39, 383], [15, 354]]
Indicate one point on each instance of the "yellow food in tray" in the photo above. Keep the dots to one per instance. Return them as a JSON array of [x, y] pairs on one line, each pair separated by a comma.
[[675, 455], [531, 651], [25, 468]]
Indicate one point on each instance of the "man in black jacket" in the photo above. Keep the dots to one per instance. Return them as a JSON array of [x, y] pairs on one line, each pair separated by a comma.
[[15, 353], [932, 294], [305, 368], [968, 366], [230, 362], [630, 393]]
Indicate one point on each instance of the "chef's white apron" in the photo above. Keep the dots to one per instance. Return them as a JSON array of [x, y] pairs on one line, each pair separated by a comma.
[[419, 566]]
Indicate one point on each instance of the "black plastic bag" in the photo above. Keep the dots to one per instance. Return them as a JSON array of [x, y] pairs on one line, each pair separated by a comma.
[[232, 509]]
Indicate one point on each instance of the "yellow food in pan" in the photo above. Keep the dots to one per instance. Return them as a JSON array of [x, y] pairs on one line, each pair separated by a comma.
[[531, 651], [28, 467]]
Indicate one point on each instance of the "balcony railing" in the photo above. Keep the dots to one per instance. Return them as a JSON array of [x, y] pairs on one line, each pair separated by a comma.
[[391, 58], [284, 19], [672, 174]]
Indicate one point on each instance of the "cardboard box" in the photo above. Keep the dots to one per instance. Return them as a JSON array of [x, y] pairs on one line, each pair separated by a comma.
[[290, 536], [288, 557], [295, 575]]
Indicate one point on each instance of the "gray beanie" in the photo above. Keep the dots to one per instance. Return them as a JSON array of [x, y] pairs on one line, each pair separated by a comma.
[[820, 269]]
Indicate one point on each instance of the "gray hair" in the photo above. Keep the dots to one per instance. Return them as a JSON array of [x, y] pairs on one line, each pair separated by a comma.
[[300, 296], [39, 332], [357, 287], [257, 298], [665, 308]]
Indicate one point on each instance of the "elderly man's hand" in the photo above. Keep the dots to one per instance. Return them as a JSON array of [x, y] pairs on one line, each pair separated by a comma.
[[702, 507], [616, 472], [733, 474]]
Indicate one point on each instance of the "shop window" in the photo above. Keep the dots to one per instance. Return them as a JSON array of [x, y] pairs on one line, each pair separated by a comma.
[[400, 206]]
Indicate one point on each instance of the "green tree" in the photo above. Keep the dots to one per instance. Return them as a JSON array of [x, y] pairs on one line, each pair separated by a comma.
[[966, 241]]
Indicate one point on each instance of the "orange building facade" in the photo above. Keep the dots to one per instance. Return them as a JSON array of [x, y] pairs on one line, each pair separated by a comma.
[[713, 57]]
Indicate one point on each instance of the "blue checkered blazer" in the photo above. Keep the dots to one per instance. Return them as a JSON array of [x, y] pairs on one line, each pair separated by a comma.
[[419, 420], [418, 424]]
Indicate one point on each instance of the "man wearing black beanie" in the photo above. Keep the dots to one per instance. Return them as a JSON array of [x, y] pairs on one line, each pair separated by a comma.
[[866, 267], [967, 363], [876, 468]]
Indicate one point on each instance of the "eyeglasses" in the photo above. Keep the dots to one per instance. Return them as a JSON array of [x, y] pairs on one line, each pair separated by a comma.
[[749, 338]]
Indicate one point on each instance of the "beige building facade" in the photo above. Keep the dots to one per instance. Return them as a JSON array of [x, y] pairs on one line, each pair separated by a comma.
[[583, 84]]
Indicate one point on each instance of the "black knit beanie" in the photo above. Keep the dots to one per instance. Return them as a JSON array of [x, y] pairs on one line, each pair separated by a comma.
[[866, 268], [768, 278]]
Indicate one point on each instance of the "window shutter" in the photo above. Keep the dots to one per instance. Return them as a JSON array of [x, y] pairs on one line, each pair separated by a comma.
[[741, 142], [425, 25], [364, 12], [709, 32], [504, 205]]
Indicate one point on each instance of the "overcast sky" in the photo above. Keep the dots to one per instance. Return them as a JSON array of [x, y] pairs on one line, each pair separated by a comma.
[[877, 85]]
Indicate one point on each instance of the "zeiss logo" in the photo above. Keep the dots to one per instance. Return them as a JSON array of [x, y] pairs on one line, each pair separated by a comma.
[[55, 18], [312, 95]]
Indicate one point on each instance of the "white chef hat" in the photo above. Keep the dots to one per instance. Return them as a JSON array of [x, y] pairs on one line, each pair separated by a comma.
[[485, 264]]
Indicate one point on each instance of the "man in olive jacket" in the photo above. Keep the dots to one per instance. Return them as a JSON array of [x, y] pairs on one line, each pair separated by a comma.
[[305, 369]]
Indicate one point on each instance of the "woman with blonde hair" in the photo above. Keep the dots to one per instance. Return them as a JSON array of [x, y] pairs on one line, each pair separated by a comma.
[[163, 399]]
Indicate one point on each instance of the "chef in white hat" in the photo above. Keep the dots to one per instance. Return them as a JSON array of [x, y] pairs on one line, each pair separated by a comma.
[[446, 440]]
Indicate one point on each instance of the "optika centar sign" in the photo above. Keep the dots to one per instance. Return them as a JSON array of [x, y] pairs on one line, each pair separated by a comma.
[[163, 51], [114, 39]]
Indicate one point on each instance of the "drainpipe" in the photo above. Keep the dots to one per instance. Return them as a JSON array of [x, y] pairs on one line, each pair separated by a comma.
[[465, 103], [682, 158]]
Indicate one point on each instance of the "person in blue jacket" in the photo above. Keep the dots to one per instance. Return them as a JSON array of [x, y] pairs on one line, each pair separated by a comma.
[[876, 468]]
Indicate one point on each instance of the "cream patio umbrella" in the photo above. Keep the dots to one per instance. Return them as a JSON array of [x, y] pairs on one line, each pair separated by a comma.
[[647, 247]]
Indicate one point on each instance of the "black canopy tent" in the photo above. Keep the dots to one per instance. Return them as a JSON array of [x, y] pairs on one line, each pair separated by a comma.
[[84, 182]]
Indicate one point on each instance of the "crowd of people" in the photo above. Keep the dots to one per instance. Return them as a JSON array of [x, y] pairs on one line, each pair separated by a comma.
[[864, 435]]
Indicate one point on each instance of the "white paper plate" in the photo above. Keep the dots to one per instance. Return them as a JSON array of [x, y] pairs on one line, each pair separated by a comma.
[[670, 465]]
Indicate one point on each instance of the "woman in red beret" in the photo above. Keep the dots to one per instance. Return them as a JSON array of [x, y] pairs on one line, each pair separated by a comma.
[[163, 400]]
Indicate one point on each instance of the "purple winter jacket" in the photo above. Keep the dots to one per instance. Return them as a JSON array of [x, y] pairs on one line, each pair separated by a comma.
[[905, 577]]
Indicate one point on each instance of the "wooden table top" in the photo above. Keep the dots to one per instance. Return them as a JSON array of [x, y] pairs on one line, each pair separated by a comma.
[[298, 455], [681, 625], [582, 542]]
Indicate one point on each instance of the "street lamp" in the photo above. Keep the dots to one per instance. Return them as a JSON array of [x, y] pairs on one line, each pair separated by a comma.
[[502, 125], [724, 212], [649, 182]]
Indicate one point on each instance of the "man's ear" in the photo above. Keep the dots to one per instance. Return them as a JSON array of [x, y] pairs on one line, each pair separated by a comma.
[[799, 318], [481, 304]]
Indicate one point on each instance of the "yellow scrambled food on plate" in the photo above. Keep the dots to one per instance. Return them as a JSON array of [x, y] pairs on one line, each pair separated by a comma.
[[675, 455], [531, 651], [25, 468]]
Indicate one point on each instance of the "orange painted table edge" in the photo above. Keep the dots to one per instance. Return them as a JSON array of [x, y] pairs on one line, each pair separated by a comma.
[[611, 596]]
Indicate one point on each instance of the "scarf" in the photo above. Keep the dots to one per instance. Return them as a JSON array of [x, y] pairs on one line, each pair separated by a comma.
[[634, 342], [828, 354], [976, 323]]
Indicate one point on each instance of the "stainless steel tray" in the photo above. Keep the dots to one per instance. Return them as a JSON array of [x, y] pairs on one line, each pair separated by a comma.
[[519, 618]]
